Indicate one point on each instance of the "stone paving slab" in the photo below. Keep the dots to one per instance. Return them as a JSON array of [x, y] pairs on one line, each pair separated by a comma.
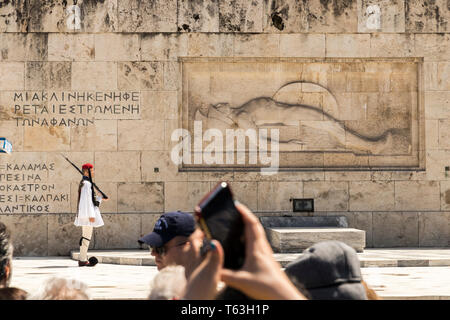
[[398, 257], [109, 281]]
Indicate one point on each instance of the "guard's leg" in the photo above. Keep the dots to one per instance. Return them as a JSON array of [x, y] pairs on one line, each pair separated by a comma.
[[84, 242]]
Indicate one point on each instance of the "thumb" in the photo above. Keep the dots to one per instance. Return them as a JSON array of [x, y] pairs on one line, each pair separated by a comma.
[[215, 256]]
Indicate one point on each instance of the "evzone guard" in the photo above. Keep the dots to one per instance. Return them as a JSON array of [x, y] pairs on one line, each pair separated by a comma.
[[88, 213]]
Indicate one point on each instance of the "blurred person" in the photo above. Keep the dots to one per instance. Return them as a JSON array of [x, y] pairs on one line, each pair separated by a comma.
[[13, 294], [175, 240], [62, 289], [6, 256], [169, 284], [88, 214], [259, 278], [329, 270]]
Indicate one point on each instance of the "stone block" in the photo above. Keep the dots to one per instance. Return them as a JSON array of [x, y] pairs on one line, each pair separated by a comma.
[[345, 160], [444, 134], [210, 45], [437, 105], [130, 133], [163, 46], [348, 45], [159, 105], [304, 222], [292, 16], [275, 196], [427, 16], [395, 229], [12, 75], [361, 221], [298, 239], [432, 46], [347, 175], [101, 137], [246, 193], [48, 75], [371, 195], [148, 221], [140, 197], [117, 47], [417, 195], [63, 170], [328, 196], [445, 195], [118, 166], [302, 45], [436, 76], [94, 76], [71, 47], [294, 176], [121, 231], [153, 16], [23, 46], [184, 196], [46, 139], [432, 134], [411, 263], [172, 75], [28, 232], [9, 18], [381, 16], [198, 16], [257, 45], [241, 16], [158, 166], [53, 16], [140, 75], [12, 132], [63, 235], [392, 45], [434, 229], [436, 161]]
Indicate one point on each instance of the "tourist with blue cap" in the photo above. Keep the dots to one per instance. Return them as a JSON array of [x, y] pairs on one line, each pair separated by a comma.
[[175, 240]]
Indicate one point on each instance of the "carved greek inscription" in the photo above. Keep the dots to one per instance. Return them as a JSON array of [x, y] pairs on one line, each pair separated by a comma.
[[23, 190], [72, 109]]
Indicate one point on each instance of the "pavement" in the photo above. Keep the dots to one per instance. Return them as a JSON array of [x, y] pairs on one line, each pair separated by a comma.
[[396, 257], [393, 273]]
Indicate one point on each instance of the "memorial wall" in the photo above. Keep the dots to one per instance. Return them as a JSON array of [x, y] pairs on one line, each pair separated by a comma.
[[346, 102]]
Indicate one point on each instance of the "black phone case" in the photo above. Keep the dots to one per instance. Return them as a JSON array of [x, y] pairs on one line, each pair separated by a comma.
[[220, 220]]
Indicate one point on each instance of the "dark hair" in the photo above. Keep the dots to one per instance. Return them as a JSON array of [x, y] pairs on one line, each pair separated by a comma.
[[13, 294], [6, 250]]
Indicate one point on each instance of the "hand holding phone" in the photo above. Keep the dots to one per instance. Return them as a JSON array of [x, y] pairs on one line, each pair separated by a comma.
[[219, 219]]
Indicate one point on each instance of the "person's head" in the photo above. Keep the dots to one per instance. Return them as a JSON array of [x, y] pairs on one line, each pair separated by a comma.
[[175, 240], [329, 270], [62, 289], [85, 169], [13, 294], [169, 284], [6, 253]]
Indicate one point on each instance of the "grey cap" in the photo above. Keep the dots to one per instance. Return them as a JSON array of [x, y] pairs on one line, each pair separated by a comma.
[[329, 270]]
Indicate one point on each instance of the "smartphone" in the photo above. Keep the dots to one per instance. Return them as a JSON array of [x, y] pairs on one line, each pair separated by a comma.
[[220, 220]]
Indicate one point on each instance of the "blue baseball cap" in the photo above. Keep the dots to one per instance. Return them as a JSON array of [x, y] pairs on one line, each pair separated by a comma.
[[168, 226]]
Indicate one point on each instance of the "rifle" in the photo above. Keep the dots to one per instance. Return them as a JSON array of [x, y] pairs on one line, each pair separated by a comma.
[[93, 184]]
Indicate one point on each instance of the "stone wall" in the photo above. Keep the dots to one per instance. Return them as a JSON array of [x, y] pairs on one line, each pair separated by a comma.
[[128, 55]]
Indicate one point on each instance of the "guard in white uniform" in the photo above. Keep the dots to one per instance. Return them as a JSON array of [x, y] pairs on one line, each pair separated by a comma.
[[88, 216]]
